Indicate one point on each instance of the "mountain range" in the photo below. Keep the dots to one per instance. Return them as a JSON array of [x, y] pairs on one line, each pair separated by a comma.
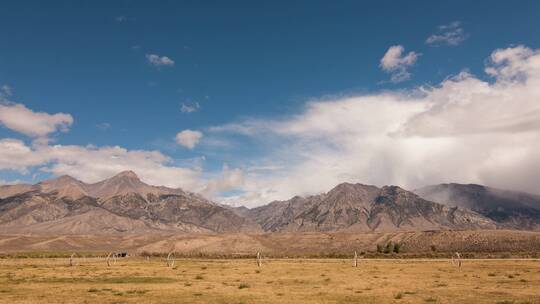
[[125, 204], [120, 204]]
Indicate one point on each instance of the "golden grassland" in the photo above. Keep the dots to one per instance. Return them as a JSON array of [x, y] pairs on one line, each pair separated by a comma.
[[137, 280]]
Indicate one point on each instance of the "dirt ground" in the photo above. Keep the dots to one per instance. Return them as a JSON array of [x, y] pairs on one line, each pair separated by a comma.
[[137, 280]]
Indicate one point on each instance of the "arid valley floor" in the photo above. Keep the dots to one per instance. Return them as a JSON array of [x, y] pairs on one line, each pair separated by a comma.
[[137, 280]]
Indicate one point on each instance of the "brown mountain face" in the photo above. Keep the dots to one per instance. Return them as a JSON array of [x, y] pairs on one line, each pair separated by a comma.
[[123, 183], [125, 204], [357, 207], [122, 203], [510, 209]]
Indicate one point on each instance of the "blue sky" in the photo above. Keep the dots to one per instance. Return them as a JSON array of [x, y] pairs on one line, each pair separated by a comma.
[[237, 63]]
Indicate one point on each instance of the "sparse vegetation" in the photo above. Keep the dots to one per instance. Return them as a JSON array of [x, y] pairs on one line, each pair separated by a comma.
[[397, 247], [243, 285], [284, 281], [389, 248]]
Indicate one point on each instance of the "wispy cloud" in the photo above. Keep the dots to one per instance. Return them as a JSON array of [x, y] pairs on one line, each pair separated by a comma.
[[159, 61], [190, 107], [397, 63], [6, 91], [120, 19], [449, 34], [103, 126]]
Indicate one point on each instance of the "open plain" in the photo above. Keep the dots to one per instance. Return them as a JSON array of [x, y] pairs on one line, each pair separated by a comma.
[[141, 280]]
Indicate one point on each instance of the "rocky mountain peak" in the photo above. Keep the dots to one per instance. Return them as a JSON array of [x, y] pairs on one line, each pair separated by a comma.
[[128, 174]]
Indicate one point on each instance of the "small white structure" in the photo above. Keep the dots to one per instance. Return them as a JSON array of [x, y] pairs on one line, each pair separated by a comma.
[[456, 259], [170, 259], [259, 259]]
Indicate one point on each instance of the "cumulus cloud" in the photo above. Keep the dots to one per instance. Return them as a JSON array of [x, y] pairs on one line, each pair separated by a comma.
[[159, 61], [188, 138], [19, 118], [188, 107], [397, 63], [92, 164], [465, 129], [15, 155], [451, 34]]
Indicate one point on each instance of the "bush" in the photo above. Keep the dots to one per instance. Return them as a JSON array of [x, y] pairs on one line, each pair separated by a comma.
[[389, 248], [397, 247], [243, 285]]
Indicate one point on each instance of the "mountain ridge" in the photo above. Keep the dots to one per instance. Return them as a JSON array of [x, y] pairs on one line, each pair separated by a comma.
[[122, 183], [358, 207], [123, 203], [511, 209]]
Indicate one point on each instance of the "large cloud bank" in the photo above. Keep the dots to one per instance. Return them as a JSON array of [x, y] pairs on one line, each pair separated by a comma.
[[466, 129]]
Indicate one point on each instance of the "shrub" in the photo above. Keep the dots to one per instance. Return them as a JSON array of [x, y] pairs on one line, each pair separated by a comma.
[[397, 247], [389, 248], [243, 285]]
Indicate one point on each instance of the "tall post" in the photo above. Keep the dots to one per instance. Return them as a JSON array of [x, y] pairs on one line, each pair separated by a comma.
[[355, 263], [259, 262]]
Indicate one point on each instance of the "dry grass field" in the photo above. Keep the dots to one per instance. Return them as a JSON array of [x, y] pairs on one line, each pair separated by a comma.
[[137, 280]]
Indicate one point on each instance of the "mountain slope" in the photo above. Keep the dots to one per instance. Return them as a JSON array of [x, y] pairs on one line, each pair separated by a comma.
[[511, 209], [123, 183], [121, 204], [357, 207]]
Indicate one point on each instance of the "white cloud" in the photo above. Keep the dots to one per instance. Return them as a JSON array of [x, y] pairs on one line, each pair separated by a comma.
[[120, 19], [450, 34], [103, 126], [397, 63], [15, 155], [19, 118], [230, 179], [463, 130], [188, 138], [92, 164], [159, 61], [190, 107]]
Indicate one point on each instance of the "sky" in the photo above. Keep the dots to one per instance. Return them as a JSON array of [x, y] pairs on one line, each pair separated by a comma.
[[248, 102]]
